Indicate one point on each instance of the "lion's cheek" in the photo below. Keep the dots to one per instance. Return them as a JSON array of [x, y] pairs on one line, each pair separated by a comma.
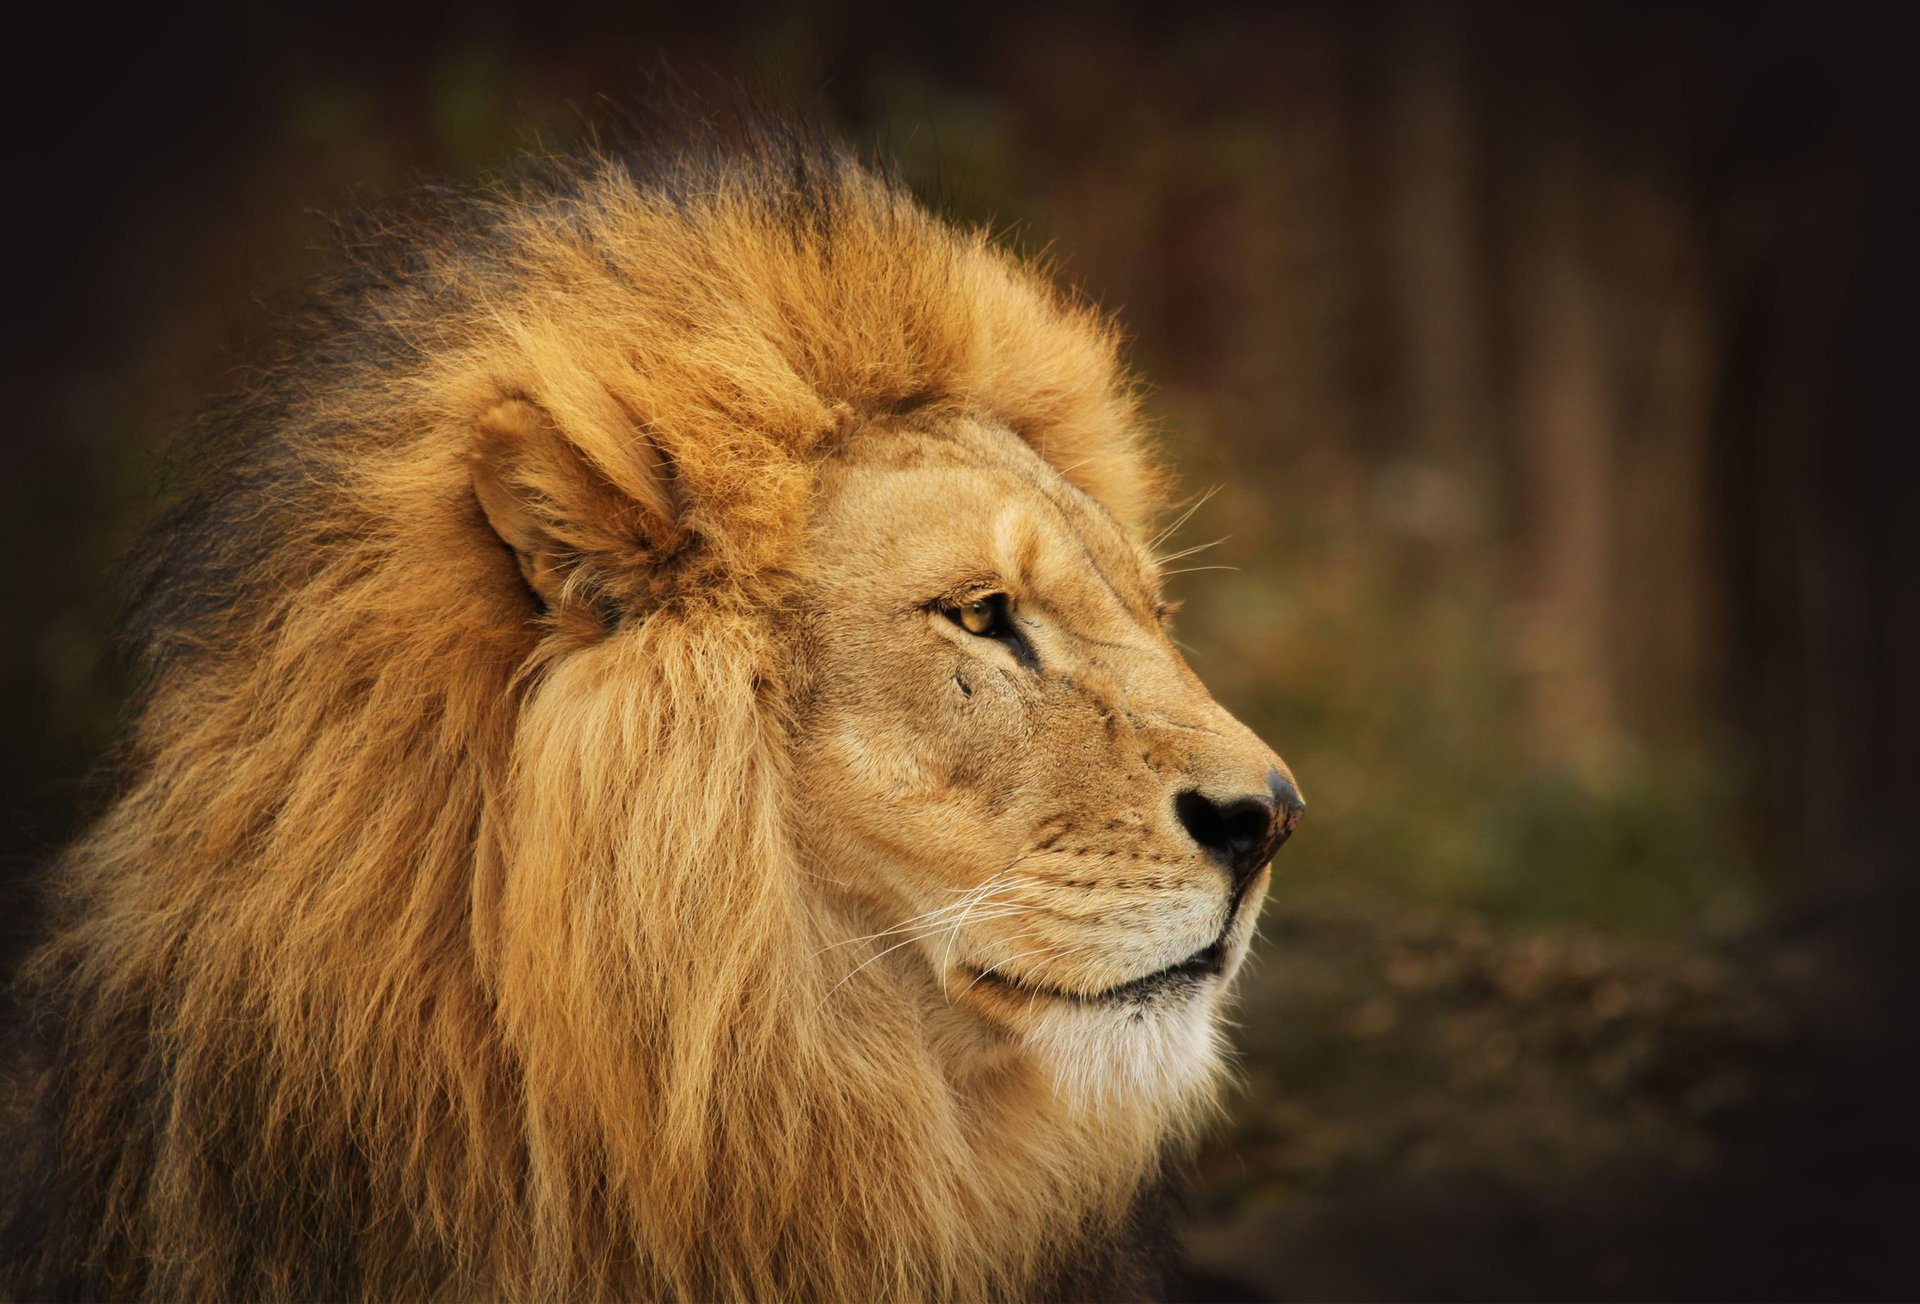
[[904, 804]]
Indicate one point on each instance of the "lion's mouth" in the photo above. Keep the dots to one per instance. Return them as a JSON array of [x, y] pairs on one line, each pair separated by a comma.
[[1197, 968]]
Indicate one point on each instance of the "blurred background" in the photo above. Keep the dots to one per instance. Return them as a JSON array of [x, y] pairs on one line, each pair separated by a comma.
[[1552, 372]]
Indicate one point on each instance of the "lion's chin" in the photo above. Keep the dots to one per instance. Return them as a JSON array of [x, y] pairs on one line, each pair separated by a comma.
[[1158, 1053], [1151, 1043], [1149, 1046]]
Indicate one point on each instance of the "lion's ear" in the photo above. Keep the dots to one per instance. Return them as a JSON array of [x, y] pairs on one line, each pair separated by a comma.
[[560, 511]]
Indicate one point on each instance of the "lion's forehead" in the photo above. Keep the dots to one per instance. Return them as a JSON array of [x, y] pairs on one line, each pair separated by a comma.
[[912, 506]]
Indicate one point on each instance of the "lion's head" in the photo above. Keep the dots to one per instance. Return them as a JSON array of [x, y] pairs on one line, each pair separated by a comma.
[[664, 775], [1010, 769]]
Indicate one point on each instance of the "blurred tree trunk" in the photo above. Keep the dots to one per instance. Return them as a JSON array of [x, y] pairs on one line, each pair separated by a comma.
[[1564, 410], [1430, 166]]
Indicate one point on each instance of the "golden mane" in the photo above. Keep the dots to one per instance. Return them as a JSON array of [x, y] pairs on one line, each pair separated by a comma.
[[343, 996]]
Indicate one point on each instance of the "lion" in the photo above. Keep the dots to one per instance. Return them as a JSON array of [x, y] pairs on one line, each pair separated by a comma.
[[662, 774]]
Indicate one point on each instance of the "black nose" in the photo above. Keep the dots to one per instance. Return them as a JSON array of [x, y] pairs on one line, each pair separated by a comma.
[[1242, 833]]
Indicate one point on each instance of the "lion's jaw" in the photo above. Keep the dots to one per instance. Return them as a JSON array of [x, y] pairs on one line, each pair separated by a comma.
[[997, 811]]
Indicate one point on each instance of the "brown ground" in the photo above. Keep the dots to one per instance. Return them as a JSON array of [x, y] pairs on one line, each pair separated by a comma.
[[1435, 1110]]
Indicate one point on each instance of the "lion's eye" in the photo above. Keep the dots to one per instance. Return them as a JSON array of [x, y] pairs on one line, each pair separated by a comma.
[[985, 616], [988, 617], [979, 617]]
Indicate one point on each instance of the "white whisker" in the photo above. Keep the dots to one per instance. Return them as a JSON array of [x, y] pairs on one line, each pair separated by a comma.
[[994, 969], [1189, 552], [1182, 519]]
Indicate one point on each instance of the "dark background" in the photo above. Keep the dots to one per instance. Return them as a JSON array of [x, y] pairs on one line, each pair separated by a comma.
[[1554, 368]]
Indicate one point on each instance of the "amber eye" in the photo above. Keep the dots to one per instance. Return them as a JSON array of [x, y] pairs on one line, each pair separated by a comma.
[[980, 616], [988, 617]]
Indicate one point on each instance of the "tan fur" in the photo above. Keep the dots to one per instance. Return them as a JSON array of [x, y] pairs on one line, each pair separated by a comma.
[[566, 849]]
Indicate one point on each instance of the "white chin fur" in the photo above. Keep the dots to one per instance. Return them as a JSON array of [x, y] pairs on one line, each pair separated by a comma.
[[1160, 1053]]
